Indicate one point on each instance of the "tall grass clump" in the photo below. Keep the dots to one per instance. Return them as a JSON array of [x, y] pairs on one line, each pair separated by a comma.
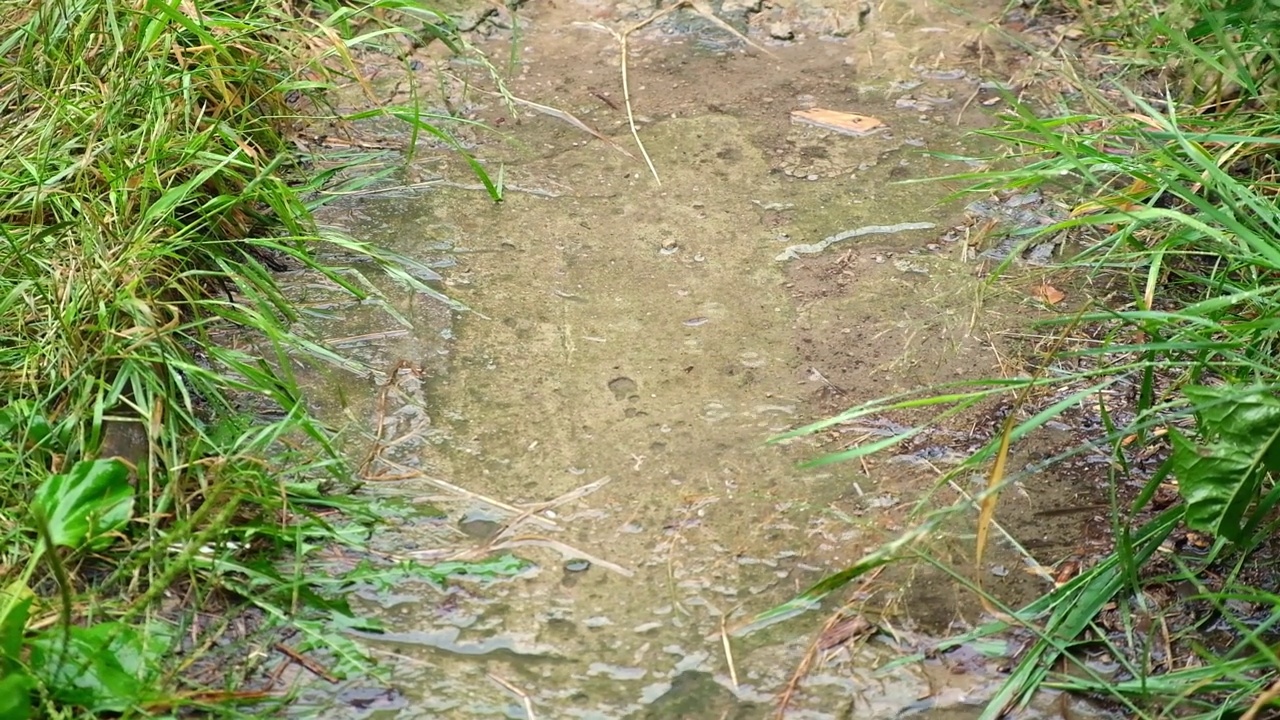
[[144, 501], [1169, 165]]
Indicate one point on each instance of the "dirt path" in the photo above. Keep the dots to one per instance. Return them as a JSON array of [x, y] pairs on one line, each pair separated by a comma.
[[648, 338]]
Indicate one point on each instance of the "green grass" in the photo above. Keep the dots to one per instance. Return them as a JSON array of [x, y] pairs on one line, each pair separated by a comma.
[[1170, 164], [148, 474]]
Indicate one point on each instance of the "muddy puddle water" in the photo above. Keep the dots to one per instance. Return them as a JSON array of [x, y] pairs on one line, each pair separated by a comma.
[[601, 410]]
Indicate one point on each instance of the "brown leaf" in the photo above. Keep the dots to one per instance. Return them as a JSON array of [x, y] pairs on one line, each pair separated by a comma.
[[841, 122], [1048, 294], [847, 630]]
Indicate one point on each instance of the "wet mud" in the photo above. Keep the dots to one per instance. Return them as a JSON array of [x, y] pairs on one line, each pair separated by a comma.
[[601, 408]]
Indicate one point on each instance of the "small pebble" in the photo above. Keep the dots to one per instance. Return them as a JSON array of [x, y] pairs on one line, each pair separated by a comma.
[[781, 31]]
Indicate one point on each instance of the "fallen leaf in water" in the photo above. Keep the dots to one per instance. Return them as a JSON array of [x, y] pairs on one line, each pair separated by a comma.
[[842, 122], [1048, 294]]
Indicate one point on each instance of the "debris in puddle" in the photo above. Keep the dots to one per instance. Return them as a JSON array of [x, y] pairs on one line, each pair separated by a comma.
[[880, 501], [615, 672], [773, 206], [909, 102], [507, 187], [906, 266], [781, 31], [841, 122], [954, 74], [1032, 254], [796, 251], [1023, 210], [360, 340], [373, 699], [567, 296]]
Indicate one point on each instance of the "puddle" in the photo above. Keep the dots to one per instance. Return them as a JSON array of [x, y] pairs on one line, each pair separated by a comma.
[[601, 413]]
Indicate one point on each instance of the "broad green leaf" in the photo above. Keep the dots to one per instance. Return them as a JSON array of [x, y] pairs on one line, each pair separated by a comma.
[[15, 608], [1219, 478], [15, 696], [20, 422], [14, 416], [1217, 483], [100, 668], [85, 503], [1247, 418]]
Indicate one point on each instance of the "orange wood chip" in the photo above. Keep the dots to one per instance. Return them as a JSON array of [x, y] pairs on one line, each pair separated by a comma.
[[841, 122], [1048, 294]]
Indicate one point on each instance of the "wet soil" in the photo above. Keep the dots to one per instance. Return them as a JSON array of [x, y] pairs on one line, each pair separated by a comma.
[[602, 407]]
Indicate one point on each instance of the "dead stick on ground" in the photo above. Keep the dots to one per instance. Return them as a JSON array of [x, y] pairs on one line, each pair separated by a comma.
[[565, 117], [409, 472], [528, 703], [376, 448], [564, 549], [579, 492], [807, 661], [626, 92], [728, 651], [307, 663], [1032, 564], [622, 38]]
